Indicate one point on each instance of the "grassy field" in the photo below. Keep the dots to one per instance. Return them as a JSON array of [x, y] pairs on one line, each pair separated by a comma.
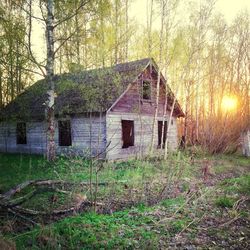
[[147, 204]]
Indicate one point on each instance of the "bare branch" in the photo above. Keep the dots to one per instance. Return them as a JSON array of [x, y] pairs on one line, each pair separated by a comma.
[[65, 40], [29, 13], [29, 41], [83, 3]]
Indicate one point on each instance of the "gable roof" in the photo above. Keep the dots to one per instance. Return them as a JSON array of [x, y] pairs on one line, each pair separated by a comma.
[[78, 92]]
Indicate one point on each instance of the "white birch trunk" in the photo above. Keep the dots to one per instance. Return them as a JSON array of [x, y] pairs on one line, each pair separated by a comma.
[[149, 26], [158, 82], [50, 74]]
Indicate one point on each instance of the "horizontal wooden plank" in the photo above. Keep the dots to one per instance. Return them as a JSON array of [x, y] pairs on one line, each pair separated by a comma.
[[84, 130]]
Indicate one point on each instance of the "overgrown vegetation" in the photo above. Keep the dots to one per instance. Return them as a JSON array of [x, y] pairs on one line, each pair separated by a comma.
[[147, 203]]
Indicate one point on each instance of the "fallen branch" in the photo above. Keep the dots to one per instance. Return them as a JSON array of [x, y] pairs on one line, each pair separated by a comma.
[[17, 189], [13, 205], [189, 224], [169, 218], [60, 182], [75, 208], [21, 200], [230, 221], [6, 196], [23, 217]]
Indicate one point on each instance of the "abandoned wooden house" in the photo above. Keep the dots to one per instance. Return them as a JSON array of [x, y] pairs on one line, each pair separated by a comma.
[[107, 112]]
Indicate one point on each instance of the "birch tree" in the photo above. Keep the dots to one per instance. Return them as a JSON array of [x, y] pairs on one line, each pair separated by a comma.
[[48, 17], [158, 81], [50, 74]]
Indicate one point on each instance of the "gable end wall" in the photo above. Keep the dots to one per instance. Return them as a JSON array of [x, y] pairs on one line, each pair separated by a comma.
[[129, 107]]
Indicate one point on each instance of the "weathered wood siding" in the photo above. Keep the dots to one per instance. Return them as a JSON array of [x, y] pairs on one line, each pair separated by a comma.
[[143, 129], [131, 101], [132, 107], [88, 135], [35, 134]]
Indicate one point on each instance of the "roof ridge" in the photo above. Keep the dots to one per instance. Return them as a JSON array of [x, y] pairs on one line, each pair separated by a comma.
[[108, 67]]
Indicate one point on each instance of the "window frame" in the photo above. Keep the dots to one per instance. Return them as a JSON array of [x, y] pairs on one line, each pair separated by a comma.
[[128, 141], [21, 136], [61, 141], [145, 81], [160, 143]]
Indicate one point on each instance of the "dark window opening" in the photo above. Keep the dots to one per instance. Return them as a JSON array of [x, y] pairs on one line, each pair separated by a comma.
[[146, 90], [172, 122], [21, 133], [162, 136], [64, 130], [127, 133]]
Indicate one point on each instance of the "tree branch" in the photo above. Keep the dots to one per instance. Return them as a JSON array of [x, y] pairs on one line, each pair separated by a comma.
[[65, 40], [83, 3]]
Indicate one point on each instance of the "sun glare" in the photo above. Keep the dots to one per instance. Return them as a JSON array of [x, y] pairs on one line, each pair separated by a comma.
[[229, 103]]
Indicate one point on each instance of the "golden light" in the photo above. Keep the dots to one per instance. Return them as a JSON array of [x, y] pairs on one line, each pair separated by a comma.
[[229, 103]]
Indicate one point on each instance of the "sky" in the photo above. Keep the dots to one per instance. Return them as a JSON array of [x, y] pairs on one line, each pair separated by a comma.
[[229, 8]]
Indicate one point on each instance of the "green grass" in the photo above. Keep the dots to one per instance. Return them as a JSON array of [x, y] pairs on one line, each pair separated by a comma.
[[240, 184], [131, 228], [173, 203], [224, 202], [122, 230], [236, 159], [177, 226], [16, 168], [42, 201]]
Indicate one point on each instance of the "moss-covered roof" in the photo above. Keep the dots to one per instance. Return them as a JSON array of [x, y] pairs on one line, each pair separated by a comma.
[[85, 91]]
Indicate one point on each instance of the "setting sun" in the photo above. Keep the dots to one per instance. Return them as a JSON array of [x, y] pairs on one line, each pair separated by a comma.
[[229, 103]]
